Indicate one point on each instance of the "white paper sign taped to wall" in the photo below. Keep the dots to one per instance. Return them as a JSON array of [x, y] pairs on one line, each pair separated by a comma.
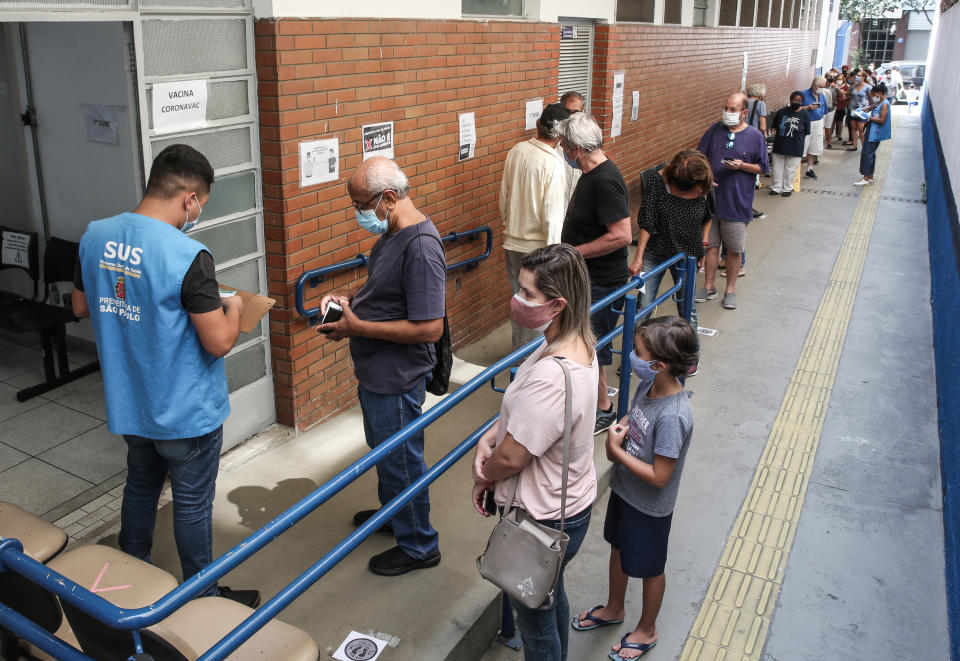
[[534, 109], [616, 122], [468, 136], [101, 123], [14, 250], [319, 161], [179, 106]]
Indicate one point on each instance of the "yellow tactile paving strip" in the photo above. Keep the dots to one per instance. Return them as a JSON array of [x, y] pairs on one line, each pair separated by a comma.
[[735, 616]]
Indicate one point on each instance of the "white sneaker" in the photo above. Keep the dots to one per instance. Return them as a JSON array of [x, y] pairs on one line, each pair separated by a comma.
[[862, 182]]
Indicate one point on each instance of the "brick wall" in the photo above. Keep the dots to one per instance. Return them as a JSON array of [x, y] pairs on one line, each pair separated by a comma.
[[320, 79], [684, 75]]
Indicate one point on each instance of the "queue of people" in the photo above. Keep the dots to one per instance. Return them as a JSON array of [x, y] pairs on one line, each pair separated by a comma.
[[566, 230]]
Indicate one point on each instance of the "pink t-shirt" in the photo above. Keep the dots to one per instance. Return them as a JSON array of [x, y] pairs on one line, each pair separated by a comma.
[[532, 413]]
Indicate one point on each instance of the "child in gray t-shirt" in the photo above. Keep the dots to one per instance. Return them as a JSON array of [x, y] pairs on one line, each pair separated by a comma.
[[648, 448]]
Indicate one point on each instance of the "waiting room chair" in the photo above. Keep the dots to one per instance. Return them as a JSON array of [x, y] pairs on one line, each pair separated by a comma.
[[23, 316], [18, 250]]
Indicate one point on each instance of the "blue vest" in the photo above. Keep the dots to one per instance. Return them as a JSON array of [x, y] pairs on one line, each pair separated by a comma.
[[158, 379], [880, 132]]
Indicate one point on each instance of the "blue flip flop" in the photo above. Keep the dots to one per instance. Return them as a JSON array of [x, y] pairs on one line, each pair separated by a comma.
[[597, 622], [643, 648]]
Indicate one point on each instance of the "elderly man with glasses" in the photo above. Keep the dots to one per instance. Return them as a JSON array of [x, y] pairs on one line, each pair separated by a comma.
[[392, 322], [737, 153]]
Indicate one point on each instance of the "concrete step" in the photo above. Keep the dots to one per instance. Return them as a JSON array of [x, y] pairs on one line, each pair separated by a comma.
[[447, 612]]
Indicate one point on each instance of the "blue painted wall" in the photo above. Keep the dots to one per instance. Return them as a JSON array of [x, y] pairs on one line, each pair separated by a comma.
[[944, 237]]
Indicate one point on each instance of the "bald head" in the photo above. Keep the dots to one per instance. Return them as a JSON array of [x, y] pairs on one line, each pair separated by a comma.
[[737, 101], [376, 175]]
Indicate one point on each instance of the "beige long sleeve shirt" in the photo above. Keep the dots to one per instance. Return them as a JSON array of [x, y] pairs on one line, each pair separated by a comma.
[[532, 196]]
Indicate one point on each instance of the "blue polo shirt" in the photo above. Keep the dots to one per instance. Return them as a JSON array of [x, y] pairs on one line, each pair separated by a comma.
[[815, 113]]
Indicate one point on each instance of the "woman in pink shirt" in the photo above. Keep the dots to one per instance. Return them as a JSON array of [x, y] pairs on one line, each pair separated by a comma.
[[554, 297]]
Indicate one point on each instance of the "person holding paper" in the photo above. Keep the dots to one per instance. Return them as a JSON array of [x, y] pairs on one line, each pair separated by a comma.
[[533, 201], [162, 331], [393, 322]]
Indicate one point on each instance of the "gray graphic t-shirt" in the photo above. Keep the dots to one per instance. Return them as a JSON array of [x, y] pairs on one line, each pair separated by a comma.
[[661, 426]]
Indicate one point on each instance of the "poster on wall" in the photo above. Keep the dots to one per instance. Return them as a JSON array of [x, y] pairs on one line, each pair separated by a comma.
[[743, 76], [378, 140], [15, 250], [179, 106], [101, 123], [533, 112], [635, 110], [616, 123], [468, 136], [319, 162], [787, 73]]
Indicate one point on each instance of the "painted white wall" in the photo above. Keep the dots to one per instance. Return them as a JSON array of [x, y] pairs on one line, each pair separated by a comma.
[[437, 9], [829, 21], [539, 10], [943, 87]]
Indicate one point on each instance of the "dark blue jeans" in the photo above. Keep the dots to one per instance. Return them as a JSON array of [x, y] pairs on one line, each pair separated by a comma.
[[868, 158], [606, 319], [192, 464], [652, 285], [545, 631], [383, 416]]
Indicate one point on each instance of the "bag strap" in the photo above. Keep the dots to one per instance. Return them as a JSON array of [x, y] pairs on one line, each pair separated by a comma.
[[567, 433], [753, 111]]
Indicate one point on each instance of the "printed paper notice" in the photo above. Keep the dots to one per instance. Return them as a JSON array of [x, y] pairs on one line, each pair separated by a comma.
[[319, 162], [179, 106], [14, 251], [787, 73], [359, 647], [468, 136], [534, 110], [743, 76], [101, 122], [635, 110], [617, 122], [378, 140]]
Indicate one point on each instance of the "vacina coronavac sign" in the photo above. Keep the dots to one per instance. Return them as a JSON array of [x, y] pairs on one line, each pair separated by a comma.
[[179, 106]]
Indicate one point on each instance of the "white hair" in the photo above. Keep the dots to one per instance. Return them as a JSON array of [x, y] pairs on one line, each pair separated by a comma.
[[757, 90], [382, 174], [819, 81], [580, 130]]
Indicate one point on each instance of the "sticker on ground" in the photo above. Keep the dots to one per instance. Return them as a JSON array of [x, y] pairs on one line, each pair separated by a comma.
[[359, 647], [709, 332]]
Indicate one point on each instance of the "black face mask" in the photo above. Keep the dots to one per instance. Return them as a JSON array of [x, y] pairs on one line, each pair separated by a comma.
[[684, 184], [794, 106]]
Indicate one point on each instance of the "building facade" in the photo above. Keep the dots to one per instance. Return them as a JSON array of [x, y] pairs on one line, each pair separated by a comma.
[[277, 75]]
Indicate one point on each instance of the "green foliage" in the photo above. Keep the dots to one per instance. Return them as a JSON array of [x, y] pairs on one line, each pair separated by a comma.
[[858, 10]]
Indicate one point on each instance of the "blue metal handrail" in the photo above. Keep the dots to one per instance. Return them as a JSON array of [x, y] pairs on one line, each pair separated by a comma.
[[314, 277], [13, 559]]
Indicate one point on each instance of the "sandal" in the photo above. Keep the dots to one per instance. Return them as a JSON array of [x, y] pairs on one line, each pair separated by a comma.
[[851, 149], [643, 648], [597, 622]]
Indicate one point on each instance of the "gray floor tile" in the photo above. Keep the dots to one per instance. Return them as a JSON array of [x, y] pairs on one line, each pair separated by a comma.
[[87, 400], [39, 487], [33, 377], [17, 360], [44, 427], [10, 456], [94, 455], [10, 407]]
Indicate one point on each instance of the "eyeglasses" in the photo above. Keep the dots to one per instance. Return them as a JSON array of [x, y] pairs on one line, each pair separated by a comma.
[[359, 206], [730, 140]]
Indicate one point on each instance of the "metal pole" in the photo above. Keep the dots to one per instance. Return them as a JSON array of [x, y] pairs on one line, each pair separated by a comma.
[[626, 346]]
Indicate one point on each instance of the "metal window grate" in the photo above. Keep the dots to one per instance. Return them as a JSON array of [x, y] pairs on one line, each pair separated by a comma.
[[224, 148], [177, 47], [246, 367], [576, 55], [225, 100], [229, 241], [66, 3], [200, 4]]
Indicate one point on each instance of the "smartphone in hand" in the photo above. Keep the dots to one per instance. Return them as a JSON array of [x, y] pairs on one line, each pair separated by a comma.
[[334, 313]]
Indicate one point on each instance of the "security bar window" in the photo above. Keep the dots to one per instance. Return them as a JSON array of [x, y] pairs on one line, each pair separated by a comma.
[[492, 7]]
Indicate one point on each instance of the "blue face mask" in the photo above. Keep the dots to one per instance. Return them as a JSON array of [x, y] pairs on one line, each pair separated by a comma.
[[190, 224], [641, 367], [368, 219], [571, 162]]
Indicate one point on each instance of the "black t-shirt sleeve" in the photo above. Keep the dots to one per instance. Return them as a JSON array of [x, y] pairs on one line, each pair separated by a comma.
[[199, 292], [77, 277], [611, 198]]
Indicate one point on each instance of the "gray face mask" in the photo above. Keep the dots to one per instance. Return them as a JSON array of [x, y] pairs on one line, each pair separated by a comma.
[[190, 224]]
